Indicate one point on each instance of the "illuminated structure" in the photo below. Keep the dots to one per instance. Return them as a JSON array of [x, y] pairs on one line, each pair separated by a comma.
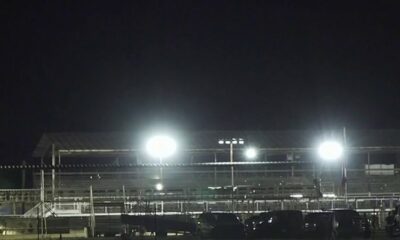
[[286, 161], [289, 169]]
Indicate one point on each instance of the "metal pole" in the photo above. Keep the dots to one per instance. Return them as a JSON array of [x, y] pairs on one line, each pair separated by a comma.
[[215, 170], [344, 170], [232, 176], [161, 172], [368, 175], [59, 170], [92, 216], [266, 168], [23, 180], [53, 171], [162, 182], [231, 159], [42, 203], [124, 196], [38, 223]]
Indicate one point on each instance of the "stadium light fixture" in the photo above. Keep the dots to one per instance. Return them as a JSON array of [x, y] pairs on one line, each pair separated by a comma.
[[251, 153], [229, 141], [161, 146], [330, 150], [329, 195], [296, 195], [159, 186]]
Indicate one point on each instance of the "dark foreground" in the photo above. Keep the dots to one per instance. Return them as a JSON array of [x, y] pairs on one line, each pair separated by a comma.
[[380, 235]]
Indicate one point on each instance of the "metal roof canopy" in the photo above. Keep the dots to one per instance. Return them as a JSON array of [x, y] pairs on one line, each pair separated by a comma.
[[273, 141]]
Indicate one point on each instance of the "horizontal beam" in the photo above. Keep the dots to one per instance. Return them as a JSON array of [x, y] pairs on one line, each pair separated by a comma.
[[166, 165], [66, 152]]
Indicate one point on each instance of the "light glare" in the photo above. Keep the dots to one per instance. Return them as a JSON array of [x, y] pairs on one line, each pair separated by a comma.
[[330, 150], [329, 195], [159, 187], [296, 195], [251, 153], [161, 146]]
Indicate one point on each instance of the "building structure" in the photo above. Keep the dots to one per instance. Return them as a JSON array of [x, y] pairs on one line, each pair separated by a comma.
[[92, 175]]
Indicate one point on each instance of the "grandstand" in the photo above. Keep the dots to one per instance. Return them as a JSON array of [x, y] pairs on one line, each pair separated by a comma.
[[92, 175]]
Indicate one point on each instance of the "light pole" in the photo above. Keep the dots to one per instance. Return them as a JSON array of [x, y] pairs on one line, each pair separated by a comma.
[[251, 153], [231, 142], [332, 151], [161, 147]]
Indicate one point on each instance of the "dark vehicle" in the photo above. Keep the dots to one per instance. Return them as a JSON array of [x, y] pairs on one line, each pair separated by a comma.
[[161, 224], [279, 224], [252, 222], [220, 225], [321, 225], [393, 223], [351, 224]]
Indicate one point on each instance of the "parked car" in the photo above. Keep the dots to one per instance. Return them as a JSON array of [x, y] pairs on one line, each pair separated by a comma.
[[160, 224], [251, 223], [393, 223], [351, 224], [320, 225], [220, 225], [279, 224]]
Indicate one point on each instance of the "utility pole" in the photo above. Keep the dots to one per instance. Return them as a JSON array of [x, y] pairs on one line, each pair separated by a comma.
[[92, 216], [53, 171], [344, 169], [42, 217]]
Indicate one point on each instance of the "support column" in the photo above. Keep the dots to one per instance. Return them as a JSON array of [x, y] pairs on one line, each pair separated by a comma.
[[124, 197], [53, 171], [215, 170], [23, 180], [59, 170], [92, 216], [232, 178], [42, 224], [344, 168]]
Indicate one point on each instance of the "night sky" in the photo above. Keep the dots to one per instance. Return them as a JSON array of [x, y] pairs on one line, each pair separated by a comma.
[[125, 65]]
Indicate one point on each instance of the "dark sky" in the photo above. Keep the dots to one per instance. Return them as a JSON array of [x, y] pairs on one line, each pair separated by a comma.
[[123, 65]]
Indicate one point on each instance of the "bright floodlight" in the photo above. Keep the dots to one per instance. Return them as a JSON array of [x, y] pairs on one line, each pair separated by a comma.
[[330, 150], [296, 195], [250, 153], [161, 147], [159, 187], [329, 195]]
